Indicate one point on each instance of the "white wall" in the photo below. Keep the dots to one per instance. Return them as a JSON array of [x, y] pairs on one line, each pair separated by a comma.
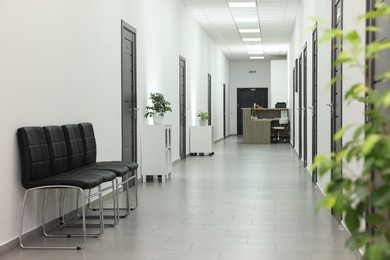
[[301, 35], [60, 63], [279, 82], [241, 78]]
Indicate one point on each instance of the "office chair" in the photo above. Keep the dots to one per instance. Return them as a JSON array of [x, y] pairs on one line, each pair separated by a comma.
[[283, 121]]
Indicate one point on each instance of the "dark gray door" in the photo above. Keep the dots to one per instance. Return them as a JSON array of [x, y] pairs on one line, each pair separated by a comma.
[[182, 97], [314, 107], [300, 106], [209, 96], [304, 108], [375, 70], [224, 110], [336, 88], [129, 93], [292, 135], [245, 98]]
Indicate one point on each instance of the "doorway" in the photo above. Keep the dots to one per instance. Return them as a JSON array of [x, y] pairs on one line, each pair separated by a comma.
[[129, 92], [245, 98], [292, 135], [182, 108], [337, 87], [304, 109], [224, 110], [314, 101], [209, 96], [300, 105], [374, 76]]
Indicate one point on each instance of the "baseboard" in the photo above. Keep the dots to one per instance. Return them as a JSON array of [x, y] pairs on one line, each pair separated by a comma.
[[176, 161], [219, 140]]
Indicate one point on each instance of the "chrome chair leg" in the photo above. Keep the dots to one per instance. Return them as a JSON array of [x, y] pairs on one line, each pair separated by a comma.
[[84, 235]]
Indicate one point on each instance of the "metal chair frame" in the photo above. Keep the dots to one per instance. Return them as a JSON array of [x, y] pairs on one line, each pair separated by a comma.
[[84, 234]]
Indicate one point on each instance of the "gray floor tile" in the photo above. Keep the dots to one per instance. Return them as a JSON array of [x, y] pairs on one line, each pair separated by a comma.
[[237, 204]]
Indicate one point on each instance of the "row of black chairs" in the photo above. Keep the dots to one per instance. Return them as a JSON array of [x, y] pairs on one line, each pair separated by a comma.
[[64, 157]]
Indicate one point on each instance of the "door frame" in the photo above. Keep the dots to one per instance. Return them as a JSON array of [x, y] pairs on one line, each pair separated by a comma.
[[334, 104], [292, 135], [133, 30], [304, 108], [300, 104], [182, 113], [209, 96], [224, 110], [314, 108]]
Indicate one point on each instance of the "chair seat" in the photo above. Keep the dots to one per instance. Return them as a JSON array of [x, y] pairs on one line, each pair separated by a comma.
[[83, 181], [131, 165], [278, 127], [118, 170], [106, 175]]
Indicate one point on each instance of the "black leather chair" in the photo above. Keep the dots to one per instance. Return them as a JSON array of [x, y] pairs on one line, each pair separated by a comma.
[[90, 153], [37, 174], [59, 153], [77, 153]]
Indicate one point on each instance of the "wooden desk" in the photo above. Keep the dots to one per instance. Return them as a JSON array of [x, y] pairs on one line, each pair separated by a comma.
[[257, 124]]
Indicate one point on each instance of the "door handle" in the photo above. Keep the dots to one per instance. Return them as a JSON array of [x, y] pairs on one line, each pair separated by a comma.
[[310, 108]]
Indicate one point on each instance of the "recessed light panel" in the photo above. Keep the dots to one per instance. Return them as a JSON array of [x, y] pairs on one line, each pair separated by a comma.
[[242, 4], [251, 39], [249, 30], [255, 52], [256, 58]]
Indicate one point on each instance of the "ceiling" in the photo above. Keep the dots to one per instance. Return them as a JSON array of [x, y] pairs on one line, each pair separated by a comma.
[[273, 19]]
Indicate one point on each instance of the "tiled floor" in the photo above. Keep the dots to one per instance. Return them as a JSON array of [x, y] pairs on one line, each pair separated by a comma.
[[247, 202]]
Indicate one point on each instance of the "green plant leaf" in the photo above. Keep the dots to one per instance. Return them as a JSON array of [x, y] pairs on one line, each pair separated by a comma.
[[325, 166], [327, 201], [330, 34], [377, 251], [358, 240], [352, 220], [369, 143], [361, 191], [339, 134], [375, 219], [380, 10], [381, 197], [373, 29], [354, 38]]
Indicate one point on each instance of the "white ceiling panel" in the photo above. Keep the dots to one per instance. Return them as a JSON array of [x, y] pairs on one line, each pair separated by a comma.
[[274, 18]]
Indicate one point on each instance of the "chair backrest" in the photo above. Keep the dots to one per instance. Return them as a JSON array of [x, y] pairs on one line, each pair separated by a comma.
[[75, 145], [89, 142], [34, 154], [283, 120], [58, 149]]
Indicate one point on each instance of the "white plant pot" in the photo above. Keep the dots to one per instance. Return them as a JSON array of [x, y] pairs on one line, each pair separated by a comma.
[[202, 122], [157, 119]]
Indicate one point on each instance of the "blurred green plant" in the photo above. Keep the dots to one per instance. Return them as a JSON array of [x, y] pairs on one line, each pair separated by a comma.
[[362, 197]]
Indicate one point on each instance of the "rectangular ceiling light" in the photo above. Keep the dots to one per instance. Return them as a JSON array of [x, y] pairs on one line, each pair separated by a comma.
[[242, 4], [249, 30], [256, 57], [255, 52], [251, 39], [246, 19], [254, 47]]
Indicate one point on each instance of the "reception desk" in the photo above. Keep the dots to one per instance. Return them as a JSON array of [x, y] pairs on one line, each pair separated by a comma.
[[257, 123]]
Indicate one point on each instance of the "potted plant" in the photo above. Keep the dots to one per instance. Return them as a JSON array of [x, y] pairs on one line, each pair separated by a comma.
[[203, 117], [158, 108], [363, 197]]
